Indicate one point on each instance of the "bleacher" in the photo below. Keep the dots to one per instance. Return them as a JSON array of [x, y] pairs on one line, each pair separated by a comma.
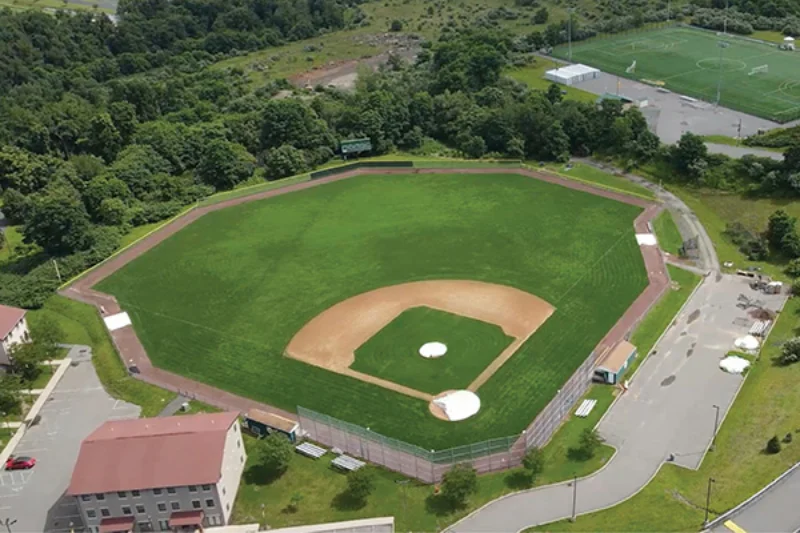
[[345, 462], [311, 450]]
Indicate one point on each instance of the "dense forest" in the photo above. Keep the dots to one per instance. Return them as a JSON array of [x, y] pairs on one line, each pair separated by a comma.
[[105, 127]]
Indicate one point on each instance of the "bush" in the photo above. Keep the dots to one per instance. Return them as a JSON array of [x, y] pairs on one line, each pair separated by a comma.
[[773, 445], [790, 353], [589, 443], [273, 454], [533, 463], [360, 484], [396, 26], [459, 483], [788, 438], [793, 268]]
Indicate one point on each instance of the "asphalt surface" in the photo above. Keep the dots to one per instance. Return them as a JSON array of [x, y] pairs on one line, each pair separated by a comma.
[[669, 409], [739, 151], [78, 405], [776, 511]]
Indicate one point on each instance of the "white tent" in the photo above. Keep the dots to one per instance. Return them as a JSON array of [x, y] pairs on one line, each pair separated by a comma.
[[572, 74], [459, 405], [748, 342], [734, 364]]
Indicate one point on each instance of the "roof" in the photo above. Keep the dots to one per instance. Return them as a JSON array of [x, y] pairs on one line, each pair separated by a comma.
[[9, 317], [185, 518], [274, 421], [572, 70], [149, 453], [617, 356], [120, 523]]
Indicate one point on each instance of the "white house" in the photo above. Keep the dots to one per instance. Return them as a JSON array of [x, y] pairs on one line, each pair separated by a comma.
[[13, 330], [178, 473]]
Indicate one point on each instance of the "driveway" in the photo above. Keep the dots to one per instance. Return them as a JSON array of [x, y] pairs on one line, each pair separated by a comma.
[[77, 406], [669, 409]]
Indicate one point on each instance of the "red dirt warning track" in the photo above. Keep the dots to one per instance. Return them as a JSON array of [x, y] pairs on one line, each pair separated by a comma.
[[132, 352]]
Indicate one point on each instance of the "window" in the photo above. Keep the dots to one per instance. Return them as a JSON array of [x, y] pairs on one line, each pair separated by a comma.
[[241, 458], [162, 507], [135, 493], [100, 497], [176, 506], [163, 525], [91, 513], [126, 509], [104, 512], [157, 492], [145, 525], [192, 488], [170, 490], [122, 494], [86, 497], [195, 504], [238, 444], [210, 503], [140, 509], [214, 520], [206, 488]]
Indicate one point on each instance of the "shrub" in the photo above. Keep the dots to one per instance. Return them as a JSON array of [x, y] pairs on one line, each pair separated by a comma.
[[790, 353], [396, 25], [590, 442], [773, 445], [459, 483], [360, 484], [533, 463]]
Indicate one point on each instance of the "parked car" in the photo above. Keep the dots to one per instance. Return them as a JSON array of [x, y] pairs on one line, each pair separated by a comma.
[[20, 463]]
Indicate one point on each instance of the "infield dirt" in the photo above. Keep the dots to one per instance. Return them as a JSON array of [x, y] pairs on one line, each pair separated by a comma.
[[331, 338]]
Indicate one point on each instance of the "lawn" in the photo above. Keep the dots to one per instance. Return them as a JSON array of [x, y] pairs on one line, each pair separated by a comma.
[[82, 325], [219, 304], [595, 176], [533, 77], [392, 354], [767, 405], [733, 141], [13, 241], [689, 61], [669, 237]]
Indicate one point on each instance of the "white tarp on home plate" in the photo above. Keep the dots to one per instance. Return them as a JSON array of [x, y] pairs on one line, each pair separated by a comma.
[[646, 239], [734, 364], [115, 322], [459, 405]]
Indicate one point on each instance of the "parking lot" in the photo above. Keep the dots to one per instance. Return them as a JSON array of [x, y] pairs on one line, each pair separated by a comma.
[[35, 498]]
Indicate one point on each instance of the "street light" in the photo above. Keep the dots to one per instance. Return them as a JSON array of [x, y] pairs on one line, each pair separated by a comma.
[[569, 34], [722, 46], [708, 499], [716, 427]]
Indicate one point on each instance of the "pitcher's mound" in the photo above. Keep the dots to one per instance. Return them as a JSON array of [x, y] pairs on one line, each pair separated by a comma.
[[433, 349], [455, 405]]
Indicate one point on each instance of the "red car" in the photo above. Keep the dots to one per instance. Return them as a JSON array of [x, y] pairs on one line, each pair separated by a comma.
[[20, 463]]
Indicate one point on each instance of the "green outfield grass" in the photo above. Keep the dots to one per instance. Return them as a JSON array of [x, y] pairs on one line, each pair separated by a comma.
[[220, 300], [687, 61], [669, 237], [393, 353]]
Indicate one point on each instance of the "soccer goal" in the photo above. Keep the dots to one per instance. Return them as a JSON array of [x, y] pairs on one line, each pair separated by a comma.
[[759, 70]]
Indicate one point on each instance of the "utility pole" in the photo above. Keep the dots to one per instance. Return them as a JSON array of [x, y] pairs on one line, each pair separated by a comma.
[[716, 427], [708, 499], [739, 130], [574, 498], [722, 46], [58, 274], [569, 34]]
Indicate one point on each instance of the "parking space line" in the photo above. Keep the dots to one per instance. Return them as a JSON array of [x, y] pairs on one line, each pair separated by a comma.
[[733, 527]]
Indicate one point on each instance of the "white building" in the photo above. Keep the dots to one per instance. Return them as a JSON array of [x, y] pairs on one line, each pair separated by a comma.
[[572, 74], [13, 330], [178, 473]]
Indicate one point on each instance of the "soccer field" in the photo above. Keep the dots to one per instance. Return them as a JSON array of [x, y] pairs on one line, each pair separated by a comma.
[[687, 61], [220, 300]]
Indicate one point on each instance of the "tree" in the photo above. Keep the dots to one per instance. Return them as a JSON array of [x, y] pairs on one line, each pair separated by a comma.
[[590, 441], [360, 484], [790, 352], [396, 25], [796, 287], [47, 334], [553, 94], [10, 398], [26, 360], [459, 483], [773, 445], [112, 212], [533, 463], [273, 454], [286, 160], [58, 222], [103, 139], [689, 155], [793, 268], [224, 164], [780, 225], [541, 16]]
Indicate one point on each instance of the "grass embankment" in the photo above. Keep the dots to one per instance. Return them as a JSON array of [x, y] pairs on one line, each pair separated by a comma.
[[82, 325], [231, 332], [669, 237], [733, 141], [605, 180], [767, 405]]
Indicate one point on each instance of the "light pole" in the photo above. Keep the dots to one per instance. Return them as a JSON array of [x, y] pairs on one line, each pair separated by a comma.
[[708, 499], [725, 19], [716, 427], [722, 46], [569, 35], [574, 498]]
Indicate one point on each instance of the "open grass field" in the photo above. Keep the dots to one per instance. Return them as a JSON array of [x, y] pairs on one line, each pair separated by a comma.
[[692, 62], [669, 237], [393, 355], [220, 300]]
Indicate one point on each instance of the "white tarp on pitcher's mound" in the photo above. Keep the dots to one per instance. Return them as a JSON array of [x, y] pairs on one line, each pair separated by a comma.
[[432, 349], [459, 405], [734, 364], [115, 322], [748, 342]]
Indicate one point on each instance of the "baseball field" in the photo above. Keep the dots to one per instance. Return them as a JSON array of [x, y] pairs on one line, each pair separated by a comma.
[[543, 272], [753, 77]]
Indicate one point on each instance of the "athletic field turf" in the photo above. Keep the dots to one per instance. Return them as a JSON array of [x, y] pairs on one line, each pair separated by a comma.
[[393, 353], [687, 61], [220, 300]]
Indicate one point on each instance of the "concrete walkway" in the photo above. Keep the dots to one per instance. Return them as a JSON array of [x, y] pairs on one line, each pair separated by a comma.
[[174, 406], [667, 410]]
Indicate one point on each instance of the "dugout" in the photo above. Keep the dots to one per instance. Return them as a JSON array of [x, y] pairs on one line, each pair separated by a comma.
[[261, 423], [616, 361]]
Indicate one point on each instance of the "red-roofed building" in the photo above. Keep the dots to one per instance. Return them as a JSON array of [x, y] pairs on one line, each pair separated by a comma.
[[13, 330], [178, 473]]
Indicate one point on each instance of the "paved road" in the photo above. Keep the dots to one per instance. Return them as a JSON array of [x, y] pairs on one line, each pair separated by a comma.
[[776, 511], [77, 406], [668, 410]]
